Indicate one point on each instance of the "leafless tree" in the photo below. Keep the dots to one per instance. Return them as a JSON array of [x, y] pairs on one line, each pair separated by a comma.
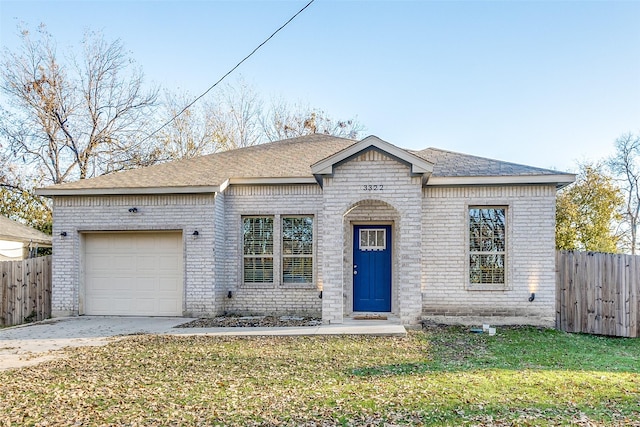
[[285, 121], [625, 165], [235, 116], [190, 134], [74, 117]]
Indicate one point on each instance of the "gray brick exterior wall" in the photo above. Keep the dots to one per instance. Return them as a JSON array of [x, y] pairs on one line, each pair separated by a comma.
[[530, 252], [397, 200], [186, 213], [276, 201]]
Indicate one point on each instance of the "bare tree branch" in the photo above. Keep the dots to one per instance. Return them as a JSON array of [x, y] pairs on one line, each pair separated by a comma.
[[625, 166], [74, 120]]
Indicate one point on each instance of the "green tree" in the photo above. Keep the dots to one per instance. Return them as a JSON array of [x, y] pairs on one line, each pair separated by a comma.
[[588, 212], [25, 207]]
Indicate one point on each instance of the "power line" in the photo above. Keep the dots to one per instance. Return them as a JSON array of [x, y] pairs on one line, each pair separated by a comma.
[[227, 73]]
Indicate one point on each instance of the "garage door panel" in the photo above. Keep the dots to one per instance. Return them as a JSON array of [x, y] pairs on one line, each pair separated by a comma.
[[166, 306], [101, 285], [110, 264], [169, 285], [146, 306], [147, 285], [168, 262], [110, 306], [122, 262], [136, 274], [147, 262], [98, 263]]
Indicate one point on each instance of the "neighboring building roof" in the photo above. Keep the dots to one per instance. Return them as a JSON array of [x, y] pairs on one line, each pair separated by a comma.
[[290, 161], [16, 232]]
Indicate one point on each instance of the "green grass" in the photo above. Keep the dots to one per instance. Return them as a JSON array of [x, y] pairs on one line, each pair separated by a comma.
[[440, 376]]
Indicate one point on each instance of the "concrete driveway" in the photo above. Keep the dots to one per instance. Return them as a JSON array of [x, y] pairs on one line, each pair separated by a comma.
[[31, 344]]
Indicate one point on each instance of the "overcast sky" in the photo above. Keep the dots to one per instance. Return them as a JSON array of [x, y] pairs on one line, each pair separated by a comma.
[[539, 83]]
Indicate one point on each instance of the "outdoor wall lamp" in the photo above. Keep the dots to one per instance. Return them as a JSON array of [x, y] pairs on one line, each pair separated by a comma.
[[229, 294], [532, 297], [320, 296], [133, 210], [195, 234], [63, 234]]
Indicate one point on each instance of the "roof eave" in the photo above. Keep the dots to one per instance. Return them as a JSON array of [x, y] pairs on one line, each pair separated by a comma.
[[273, 180], [26, 240], [52, 191], [49, 191], [560, 180]]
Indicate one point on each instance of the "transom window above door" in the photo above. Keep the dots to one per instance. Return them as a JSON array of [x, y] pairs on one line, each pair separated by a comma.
[[373, 239]]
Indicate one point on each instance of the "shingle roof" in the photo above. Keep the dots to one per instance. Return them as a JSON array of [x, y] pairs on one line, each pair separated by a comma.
[[290, 158], [449, 164], [14, 231]]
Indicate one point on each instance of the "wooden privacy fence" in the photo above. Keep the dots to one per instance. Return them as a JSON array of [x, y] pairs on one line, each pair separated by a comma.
[[597, 293], [25, 290]]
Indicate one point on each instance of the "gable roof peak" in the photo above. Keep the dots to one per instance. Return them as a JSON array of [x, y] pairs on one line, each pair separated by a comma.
[[419, 165]]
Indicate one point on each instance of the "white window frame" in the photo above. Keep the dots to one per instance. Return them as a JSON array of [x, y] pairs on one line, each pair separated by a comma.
[[310, 256], [255, 256], [505, 253]]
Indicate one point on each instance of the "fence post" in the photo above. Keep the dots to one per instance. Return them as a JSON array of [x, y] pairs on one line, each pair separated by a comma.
[[634, 302], [4, 280]]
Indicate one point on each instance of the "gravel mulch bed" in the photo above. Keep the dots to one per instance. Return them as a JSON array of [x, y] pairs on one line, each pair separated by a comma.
[[251, 321]]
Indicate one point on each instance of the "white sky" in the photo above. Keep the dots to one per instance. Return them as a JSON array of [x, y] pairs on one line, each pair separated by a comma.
[[543, 83]]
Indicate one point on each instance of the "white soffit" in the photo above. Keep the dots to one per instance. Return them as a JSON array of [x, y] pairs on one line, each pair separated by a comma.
[[418, 165], [274, 181], [125, 191], [561, 180]]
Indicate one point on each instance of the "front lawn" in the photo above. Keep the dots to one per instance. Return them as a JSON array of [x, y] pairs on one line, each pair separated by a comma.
[[440, 376]]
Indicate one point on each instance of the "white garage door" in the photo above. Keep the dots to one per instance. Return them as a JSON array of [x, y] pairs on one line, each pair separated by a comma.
[[133, 274]]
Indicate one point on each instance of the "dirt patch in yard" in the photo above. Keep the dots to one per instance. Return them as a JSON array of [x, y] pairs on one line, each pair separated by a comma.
[[252, 322]]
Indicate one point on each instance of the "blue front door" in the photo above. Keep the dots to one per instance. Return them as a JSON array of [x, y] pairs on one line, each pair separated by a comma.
[[372, 268]]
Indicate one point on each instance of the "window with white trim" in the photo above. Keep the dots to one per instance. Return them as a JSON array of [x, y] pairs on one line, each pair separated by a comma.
[[487, 245], [257, 246], [297, 249]]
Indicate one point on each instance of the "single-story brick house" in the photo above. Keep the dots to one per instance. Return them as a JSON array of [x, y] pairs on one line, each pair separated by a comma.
[[311, 225]]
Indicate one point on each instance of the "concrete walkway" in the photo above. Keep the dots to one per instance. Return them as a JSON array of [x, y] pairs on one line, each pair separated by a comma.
[[30, 344]]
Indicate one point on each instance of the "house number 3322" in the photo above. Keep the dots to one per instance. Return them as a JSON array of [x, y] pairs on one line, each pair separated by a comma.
[[372, 187]]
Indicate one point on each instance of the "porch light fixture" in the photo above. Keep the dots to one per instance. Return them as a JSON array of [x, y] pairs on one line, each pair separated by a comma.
[[63, 234], [532, 297], [229, 294], [133, 210], [195, 234]]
